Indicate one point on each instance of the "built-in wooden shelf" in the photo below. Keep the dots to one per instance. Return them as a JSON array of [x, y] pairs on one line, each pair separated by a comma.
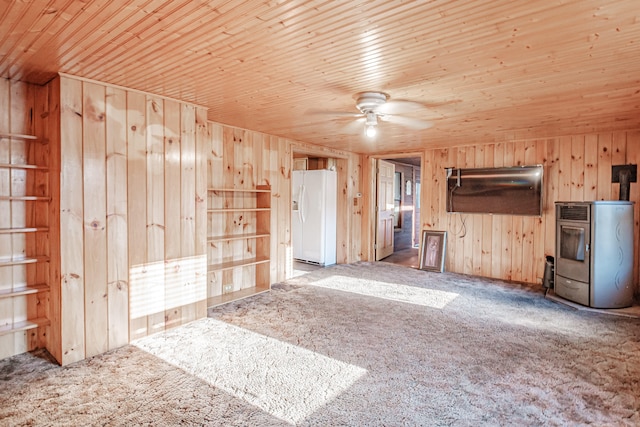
[[234, 296], [231, 237], [24, 290], [257, 223], [23, 166], [240, 263], [23, 230], [22, 261], [25, 325], [17, 136], [25, 294], [26, 198]]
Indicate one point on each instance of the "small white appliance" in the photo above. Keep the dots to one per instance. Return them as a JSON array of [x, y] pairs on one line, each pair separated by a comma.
[[313, 219]]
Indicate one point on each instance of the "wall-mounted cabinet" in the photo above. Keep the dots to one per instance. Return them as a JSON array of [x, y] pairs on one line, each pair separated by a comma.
[[24, 240], [238, 243]]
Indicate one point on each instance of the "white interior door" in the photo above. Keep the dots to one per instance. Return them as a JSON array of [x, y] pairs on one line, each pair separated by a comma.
[[385, 216]]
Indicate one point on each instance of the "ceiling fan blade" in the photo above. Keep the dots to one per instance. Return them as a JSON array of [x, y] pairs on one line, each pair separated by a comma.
[[400, 107], [409, 122], [355, 127], [333, 113]]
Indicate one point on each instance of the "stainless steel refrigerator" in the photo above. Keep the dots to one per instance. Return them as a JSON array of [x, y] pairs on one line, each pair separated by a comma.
[[313, 219]]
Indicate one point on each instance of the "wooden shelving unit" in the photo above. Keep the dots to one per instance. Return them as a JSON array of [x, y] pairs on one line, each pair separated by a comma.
[[238, 243], [24, 229]]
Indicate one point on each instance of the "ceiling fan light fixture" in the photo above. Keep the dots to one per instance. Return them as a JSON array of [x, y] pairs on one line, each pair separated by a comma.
[[370, 101], [377, 105], [371, 119], [370, 131], [371, 124]]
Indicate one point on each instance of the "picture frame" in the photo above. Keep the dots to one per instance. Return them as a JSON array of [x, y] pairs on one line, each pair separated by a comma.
[[433, 250]]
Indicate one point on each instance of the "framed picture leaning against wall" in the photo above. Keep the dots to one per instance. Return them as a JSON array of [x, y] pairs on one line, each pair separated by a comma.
[[434, 244]]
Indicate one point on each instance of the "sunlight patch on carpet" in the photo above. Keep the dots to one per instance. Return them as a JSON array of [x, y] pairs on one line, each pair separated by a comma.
[[287, 381], [391, 291]]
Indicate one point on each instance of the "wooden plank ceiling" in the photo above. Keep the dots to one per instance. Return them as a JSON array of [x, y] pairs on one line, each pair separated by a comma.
[[487, 70]]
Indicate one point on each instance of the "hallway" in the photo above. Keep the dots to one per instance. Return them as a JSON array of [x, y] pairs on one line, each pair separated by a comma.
[[407, 257]]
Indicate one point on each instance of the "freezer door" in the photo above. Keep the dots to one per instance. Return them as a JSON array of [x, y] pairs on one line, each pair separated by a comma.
[[313, 212]]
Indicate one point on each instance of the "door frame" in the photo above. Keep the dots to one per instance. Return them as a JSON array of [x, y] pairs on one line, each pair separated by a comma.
[[369, 175]]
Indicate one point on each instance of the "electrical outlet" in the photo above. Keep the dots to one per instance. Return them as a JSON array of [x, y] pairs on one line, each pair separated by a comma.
[[227, 288]]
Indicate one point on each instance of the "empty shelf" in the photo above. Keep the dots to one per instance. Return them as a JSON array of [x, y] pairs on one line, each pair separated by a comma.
[[234, 264], [24, 325]]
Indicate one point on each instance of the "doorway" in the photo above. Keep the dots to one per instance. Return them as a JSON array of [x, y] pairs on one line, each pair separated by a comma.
[[406, 210]]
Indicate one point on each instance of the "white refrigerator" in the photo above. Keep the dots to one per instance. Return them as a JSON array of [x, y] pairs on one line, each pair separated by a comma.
[[313, 219]]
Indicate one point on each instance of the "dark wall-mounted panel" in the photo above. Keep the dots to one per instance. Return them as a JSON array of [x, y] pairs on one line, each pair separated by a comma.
[[509, 190]]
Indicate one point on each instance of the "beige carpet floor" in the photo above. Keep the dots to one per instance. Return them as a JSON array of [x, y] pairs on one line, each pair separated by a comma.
[[364, 344]]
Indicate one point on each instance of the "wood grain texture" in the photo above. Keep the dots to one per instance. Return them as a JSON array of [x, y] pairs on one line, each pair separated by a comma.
[[53, 135], [343, 205], [173, 170], [117, 217], [263, 70], [618, 157], [514, 242], [282, 210], [244, 159], [155, 211], [270, 171], [187, 277], [71, 222], [575, 168], [95, 218], [40, 154], [551, 195], [173, 222], [137, 215], [487, 220], [200, 250], [140, 199]]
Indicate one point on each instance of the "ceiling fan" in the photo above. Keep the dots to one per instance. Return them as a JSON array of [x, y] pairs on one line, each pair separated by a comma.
[[376, 106]]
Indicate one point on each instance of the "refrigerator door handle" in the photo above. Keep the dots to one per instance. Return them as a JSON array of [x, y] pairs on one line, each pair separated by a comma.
[[301, 203]]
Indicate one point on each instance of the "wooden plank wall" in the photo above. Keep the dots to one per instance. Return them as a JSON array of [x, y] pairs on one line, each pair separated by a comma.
[[576, 168], [239, 158], [134, 172], [131, 205], [23, 110]]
